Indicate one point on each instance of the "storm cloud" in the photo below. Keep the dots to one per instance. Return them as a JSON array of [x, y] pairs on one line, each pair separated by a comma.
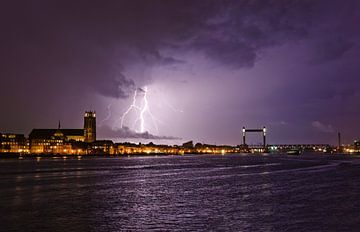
[[63, 56], [127, 133], [93, 43]]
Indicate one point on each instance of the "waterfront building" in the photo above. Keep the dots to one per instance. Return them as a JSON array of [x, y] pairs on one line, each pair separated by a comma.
[[353, 148], [281, 148], [102, 147], [64, 141], [150, 148], [13, 143], [357, 145], [128, 148], [54, 140], [188, 145]]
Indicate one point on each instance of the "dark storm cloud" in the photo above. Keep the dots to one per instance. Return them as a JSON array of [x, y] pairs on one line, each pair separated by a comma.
[[154, 57], [54, 54], [332, 48], [91, 43], [243, 29], [127, 133], [113, 84]]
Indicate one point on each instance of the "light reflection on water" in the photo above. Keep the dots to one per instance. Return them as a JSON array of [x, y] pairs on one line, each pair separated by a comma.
[[227, 193]]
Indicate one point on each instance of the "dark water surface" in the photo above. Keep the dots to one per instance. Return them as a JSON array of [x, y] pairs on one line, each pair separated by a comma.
[[181, 193]]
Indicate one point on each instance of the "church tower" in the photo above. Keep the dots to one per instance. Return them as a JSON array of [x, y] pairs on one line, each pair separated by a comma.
[[90, 126]]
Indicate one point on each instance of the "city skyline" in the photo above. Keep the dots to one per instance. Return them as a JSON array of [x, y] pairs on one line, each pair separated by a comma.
[[71, 142], [43, 140], [198, 71]]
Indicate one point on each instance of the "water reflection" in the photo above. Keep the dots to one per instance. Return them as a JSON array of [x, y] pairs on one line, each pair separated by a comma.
[[227, 193]]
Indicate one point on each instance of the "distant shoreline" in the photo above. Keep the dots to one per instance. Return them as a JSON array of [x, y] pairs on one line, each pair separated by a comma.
[[22, 156], [18, 155]]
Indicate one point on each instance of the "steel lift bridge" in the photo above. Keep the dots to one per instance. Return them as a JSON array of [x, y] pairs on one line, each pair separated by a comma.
[[263, 131]]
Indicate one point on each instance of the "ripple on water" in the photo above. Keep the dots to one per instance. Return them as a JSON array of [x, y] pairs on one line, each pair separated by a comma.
[[187, 193]]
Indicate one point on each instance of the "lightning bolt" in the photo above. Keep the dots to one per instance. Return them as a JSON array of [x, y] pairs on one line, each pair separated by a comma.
[[132, 106], [143, 110], [146, 109], [108, 116]]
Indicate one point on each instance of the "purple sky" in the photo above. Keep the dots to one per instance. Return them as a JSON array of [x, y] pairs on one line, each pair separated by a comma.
[[210, 68]]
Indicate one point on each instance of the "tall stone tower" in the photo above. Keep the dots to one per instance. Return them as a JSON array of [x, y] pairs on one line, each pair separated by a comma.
[[90, 126]]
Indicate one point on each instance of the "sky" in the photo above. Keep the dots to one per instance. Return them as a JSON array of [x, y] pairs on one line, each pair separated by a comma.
[[169, 71]]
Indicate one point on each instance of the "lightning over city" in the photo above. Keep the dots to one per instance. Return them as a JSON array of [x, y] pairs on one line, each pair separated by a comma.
[[179, 115]]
